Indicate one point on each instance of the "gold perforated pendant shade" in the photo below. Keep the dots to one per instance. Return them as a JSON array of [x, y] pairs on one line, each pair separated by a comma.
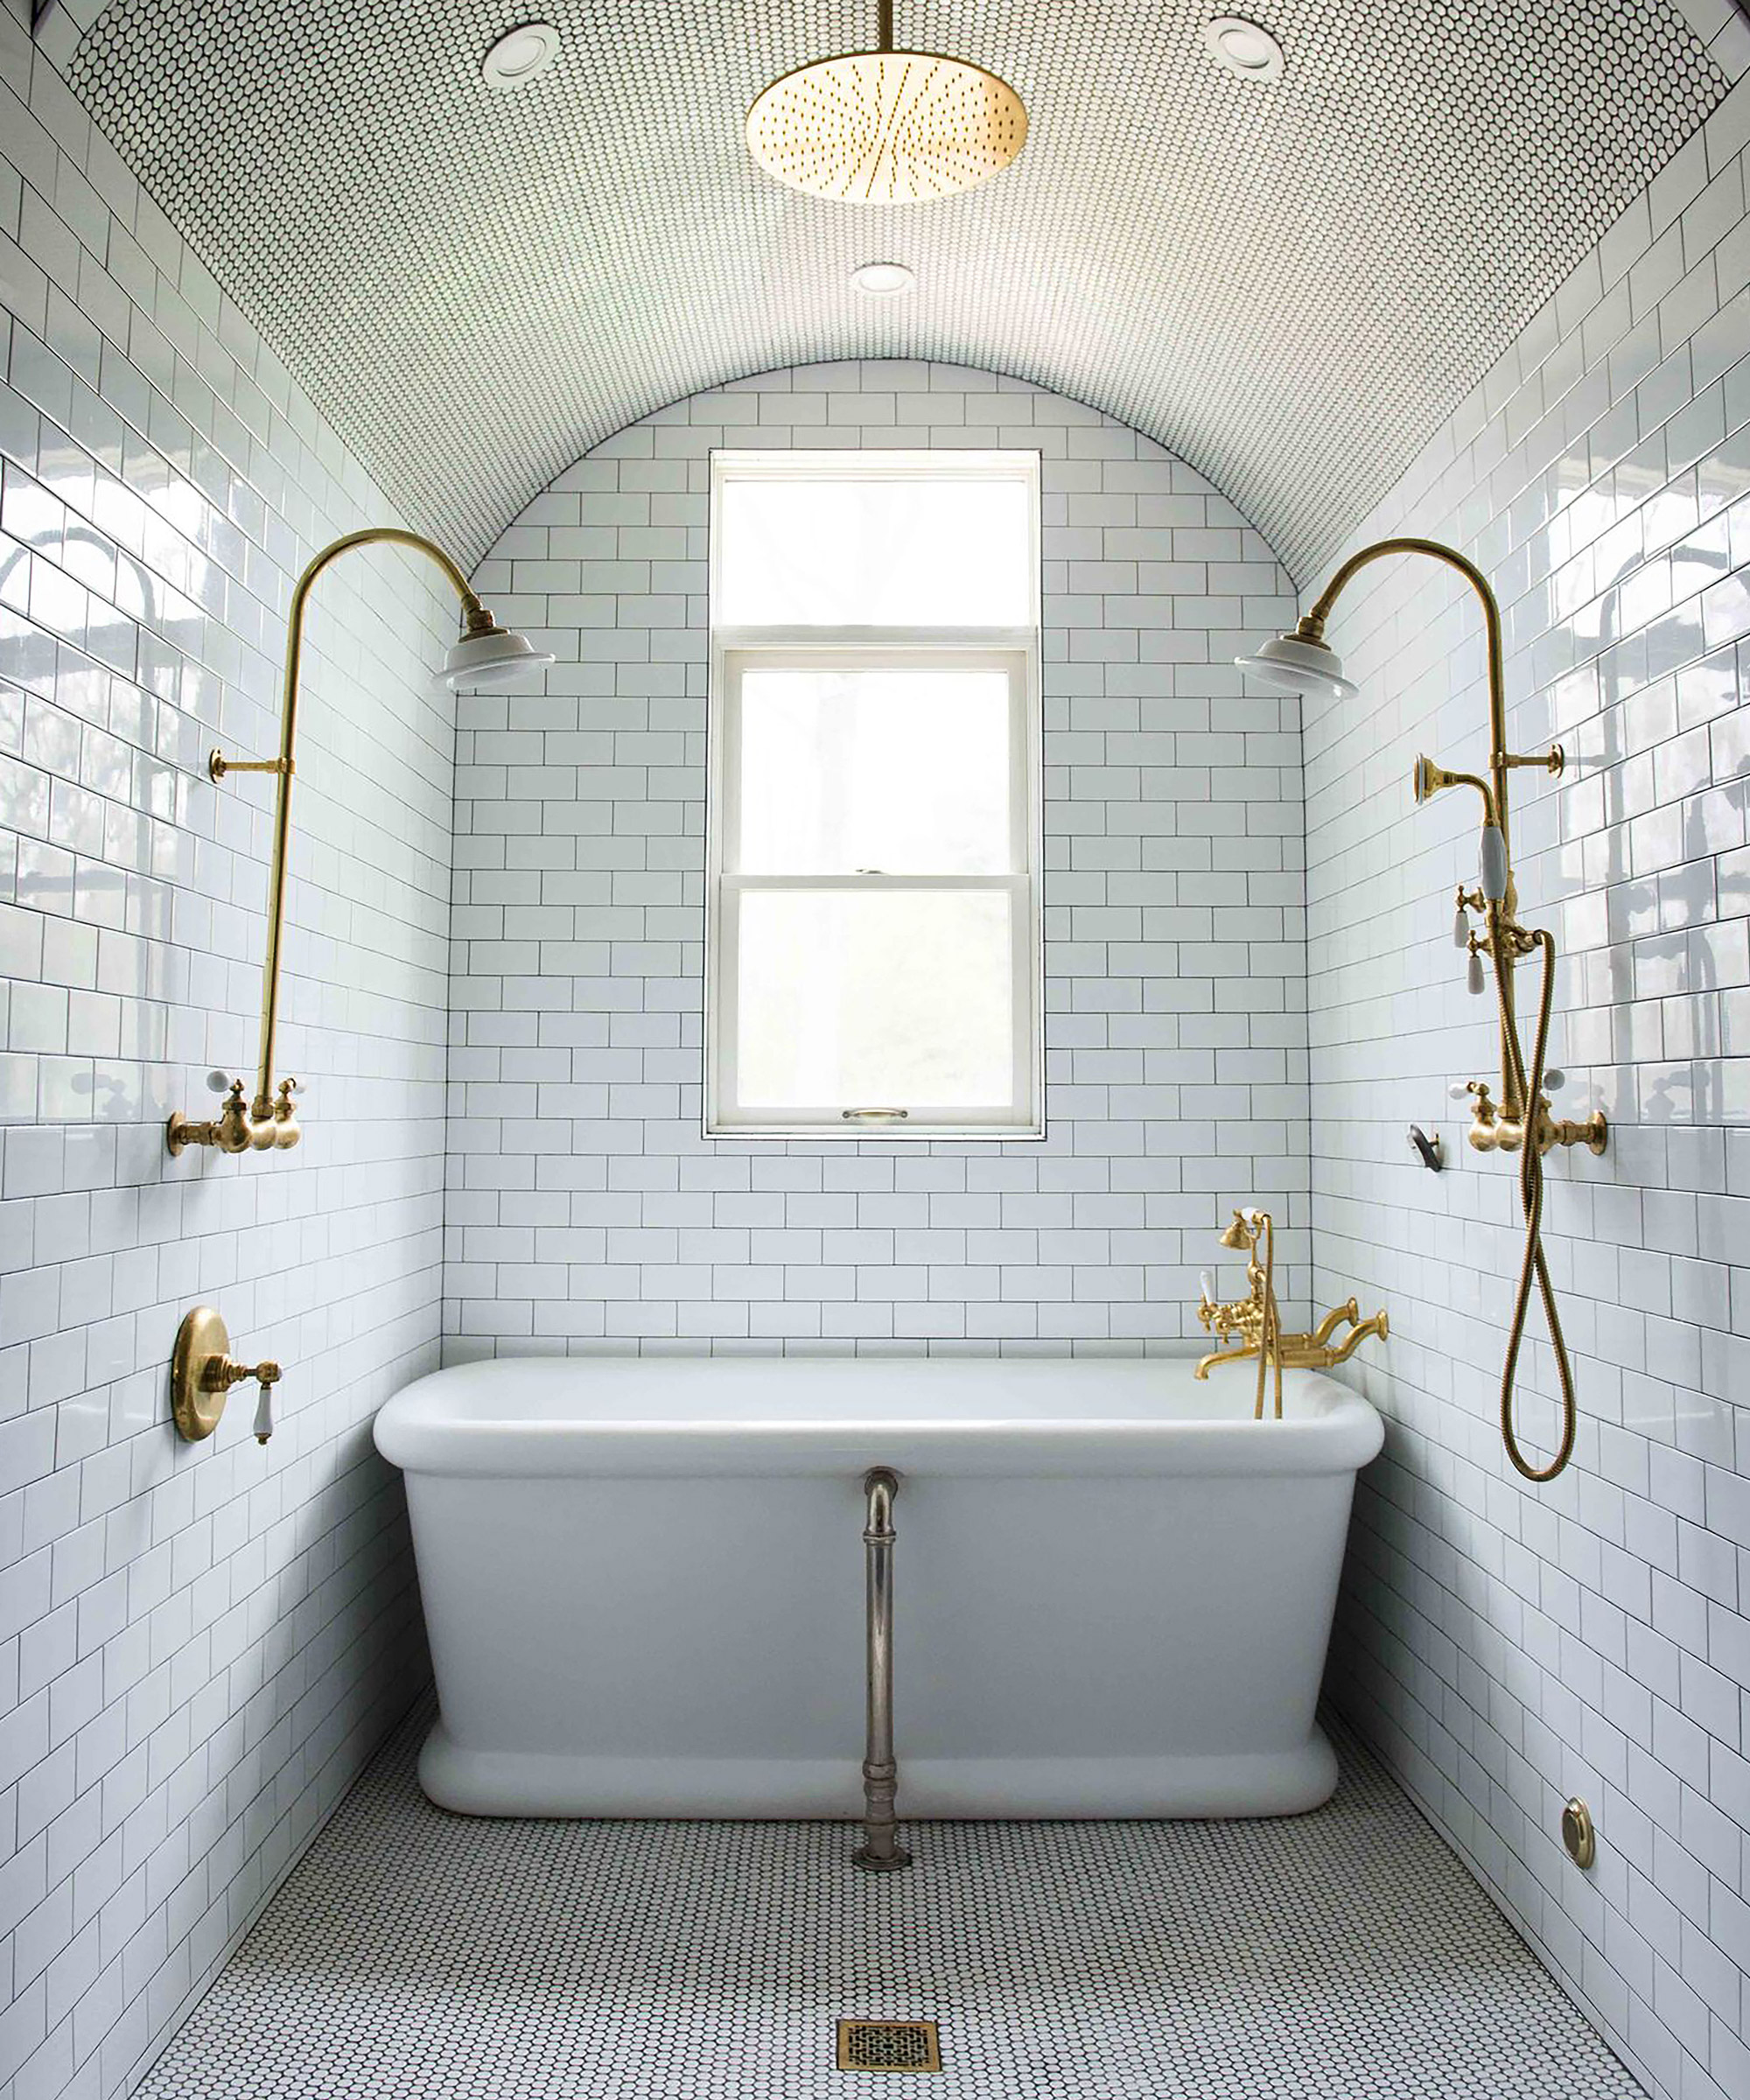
[[886, 126]]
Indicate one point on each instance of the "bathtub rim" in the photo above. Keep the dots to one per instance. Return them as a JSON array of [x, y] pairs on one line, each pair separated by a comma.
[[424, 1429]]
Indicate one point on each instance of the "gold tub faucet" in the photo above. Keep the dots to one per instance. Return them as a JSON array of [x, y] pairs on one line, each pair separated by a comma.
[[1255, 1324]]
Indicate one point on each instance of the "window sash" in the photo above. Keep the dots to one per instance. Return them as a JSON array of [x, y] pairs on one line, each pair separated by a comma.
[[896, 654], [1021, 1117], [734, 651], [1015, 1117], [825, 464]]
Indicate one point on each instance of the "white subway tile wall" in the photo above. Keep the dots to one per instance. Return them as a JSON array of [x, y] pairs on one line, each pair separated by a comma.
[[199, 1645], [1509, 1645], [584, 1208]]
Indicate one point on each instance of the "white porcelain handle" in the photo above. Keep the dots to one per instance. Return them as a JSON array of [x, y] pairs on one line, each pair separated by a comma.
[[1473, 978], [264, 1415], [1494, 859], [1206, 1283]]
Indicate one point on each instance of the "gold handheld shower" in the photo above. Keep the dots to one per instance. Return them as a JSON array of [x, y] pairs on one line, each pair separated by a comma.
[[1521, 1121]]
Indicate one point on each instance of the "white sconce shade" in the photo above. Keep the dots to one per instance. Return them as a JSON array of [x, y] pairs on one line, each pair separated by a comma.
[[1293, 665]]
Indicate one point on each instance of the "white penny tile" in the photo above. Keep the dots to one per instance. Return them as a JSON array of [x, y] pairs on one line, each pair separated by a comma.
[[418, 1956]]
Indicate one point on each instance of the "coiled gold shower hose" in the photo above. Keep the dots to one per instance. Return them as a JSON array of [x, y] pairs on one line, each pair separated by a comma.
[[1531, 1202]]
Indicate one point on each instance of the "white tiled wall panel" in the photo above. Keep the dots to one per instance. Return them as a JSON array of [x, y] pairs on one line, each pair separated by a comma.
[[199, 1644], [585, 1210], [1508, 1645]]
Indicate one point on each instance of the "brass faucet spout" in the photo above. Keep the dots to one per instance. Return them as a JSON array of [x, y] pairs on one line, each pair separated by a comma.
[[1328, 1326], [1255, 1325], [1378, 1324]]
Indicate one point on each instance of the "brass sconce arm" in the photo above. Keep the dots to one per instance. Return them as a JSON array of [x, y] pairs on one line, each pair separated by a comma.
[[267, 1122]]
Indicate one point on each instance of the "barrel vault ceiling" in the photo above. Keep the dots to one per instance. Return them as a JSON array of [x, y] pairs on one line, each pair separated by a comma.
[[1289, 286]]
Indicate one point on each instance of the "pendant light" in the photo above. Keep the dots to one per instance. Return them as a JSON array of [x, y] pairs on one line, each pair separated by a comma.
[[886, 126]]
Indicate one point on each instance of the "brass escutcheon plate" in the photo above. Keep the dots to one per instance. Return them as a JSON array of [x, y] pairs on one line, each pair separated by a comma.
[[1577, 1833], [202, 1336]]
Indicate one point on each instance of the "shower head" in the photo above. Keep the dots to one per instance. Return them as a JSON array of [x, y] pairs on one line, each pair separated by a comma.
[[490, 659], [886, 126], [1295, 663], [1240, 1235]]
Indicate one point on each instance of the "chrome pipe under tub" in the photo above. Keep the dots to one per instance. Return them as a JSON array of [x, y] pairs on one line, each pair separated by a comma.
[[880, 1852]]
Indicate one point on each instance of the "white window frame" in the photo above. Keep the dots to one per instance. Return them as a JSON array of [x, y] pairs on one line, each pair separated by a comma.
[[735, 650]]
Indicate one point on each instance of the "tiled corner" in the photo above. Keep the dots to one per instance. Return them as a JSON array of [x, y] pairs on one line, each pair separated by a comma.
[[1508, 1646]]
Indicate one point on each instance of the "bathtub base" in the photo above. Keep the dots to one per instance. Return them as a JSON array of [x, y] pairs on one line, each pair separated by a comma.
[[499, 1782]]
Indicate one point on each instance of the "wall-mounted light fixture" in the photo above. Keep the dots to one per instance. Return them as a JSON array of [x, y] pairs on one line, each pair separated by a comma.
[[486, 656]]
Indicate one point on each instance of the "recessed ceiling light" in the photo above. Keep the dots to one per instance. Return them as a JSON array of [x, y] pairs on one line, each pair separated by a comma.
[[520, 55], [1248, 53], [882, 280]]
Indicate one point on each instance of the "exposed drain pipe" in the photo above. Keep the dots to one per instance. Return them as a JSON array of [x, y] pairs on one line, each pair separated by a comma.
[[880, 1852]]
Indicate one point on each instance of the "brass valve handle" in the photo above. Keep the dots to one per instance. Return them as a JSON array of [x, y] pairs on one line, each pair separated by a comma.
[[221, 1374], [269, 1126], [202, 1372]]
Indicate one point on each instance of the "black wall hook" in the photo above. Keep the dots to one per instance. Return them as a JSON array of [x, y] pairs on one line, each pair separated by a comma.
[[1431, 1149]]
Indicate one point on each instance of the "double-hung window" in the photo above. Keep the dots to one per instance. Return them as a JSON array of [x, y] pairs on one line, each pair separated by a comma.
[[872, 950]]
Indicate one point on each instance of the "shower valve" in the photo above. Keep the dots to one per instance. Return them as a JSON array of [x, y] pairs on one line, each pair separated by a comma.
[[1486, 1117], [1495, 1131], [202, 1372]]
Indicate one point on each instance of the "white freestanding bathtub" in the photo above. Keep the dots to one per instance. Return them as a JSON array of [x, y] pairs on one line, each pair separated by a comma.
[[643, 1582]]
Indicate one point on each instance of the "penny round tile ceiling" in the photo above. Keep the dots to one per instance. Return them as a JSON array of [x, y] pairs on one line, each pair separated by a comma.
[[1289, 285]]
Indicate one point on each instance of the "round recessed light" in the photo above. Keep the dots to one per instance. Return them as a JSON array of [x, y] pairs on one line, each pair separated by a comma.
[[520, 55], [1247, 51], [882, 280]]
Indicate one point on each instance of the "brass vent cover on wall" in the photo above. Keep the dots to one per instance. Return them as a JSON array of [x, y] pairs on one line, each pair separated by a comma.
[[888, 2045]]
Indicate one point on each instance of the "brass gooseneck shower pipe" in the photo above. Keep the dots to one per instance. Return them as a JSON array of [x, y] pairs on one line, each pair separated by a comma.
[[485, 654], [1521, 1120]]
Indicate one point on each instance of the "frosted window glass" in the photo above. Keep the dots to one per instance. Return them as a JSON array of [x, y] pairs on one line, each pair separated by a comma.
[[860, 998], [886, 553], [905, 771]]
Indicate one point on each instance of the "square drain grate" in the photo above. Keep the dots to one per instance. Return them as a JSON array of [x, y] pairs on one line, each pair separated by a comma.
[[888, 2045]]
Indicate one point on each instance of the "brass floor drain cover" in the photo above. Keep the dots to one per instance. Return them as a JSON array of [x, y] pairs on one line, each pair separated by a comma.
[[888, 2045]]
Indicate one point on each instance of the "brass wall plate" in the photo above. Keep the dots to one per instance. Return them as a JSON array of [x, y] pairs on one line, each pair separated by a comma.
[[202, 1338], [1578, 1834]]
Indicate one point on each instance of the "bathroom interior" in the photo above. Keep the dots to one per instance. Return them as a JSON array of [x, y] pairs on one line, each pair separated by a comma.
[[874, 1049]]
